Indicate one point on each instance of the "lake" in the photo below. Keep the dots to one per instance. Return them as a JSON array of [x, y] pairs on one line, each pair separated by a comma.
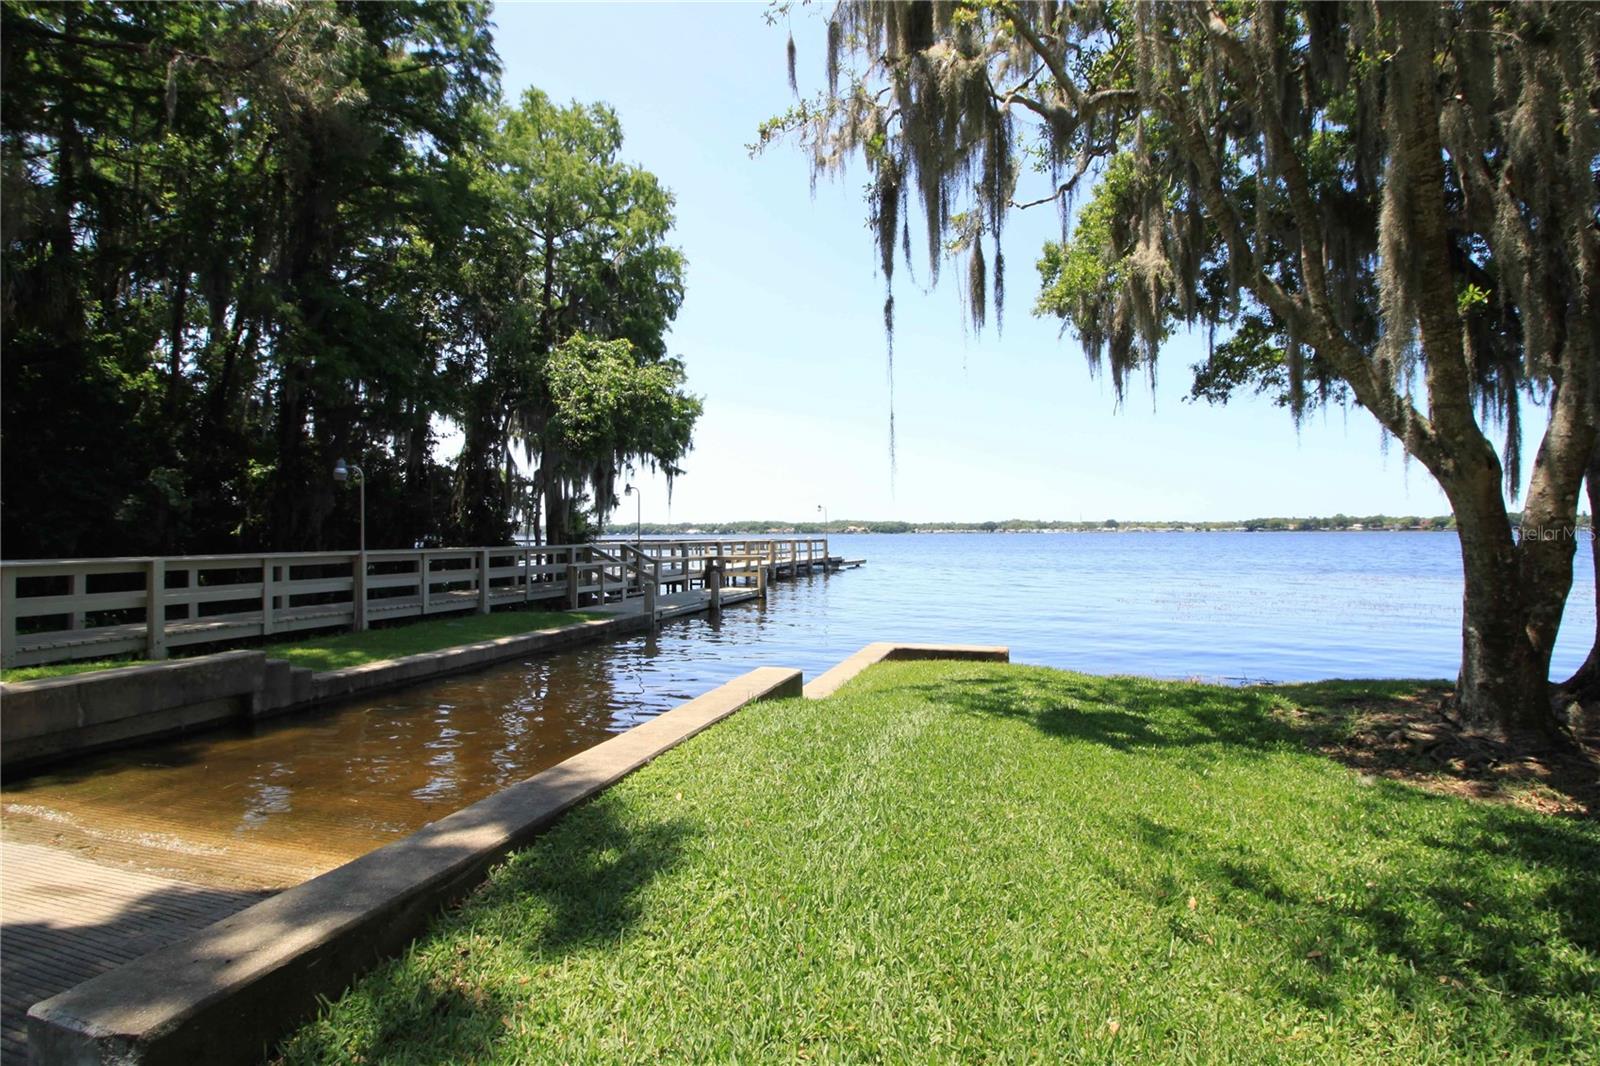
[[271, 805]]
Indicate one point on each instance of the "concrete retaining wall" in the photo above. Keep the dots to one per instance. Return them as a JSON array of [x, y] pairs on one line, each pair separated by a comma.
[[60, 717], [331, 685], [831, 681]]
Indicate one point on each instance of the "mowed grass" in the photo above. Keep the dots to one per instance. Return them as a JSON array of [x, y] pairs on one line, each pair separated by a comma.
[[39, 673], [338, 650], [967, 862]]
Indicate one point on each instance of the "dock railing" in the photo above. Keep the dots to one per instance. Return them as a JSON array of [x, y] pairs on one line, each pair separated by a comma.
[[55, 610], [683, 560], [59, 610]]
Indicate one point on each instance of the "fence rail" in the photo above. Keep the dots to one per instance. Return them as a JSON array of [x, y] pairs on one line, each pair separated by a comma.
[[58, 610], [685, 561]]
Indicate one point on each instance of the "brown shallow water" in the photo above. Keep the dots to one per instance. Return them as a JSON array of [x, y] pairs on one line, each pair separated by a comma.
[[273, 805]]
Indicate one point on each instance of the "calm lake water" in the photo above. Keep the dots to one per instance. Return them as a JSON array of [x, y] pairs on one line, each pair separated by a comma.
[[289, 799]]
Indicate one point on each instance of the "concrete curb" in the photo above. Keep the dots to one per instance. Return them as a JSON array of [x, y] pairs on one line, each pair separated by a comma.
[[330, 685], [226, 994], [831, 681]]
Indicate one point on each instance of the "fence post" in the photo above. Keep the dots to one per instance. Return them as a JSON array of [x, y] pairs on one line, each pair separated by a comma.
[[572, 582], [8, 615], [77, 585], [267, 575], [649, 588], [358, 591], [155, 609], [483, 581], [527, 575]]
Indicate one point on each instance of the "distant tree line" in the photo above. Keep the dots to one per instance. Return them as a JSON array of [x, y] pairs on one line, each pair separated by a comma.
[[1378, 522], [242, 241]]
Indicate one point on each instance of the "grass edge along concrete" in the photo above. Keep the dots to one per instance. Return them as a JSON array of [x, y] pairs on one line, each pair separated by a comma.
[[230, 991], [964, 861]]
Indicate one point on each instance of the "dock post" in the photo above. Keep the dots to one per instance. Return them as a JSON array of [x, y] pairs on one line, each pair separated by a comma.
[[155, 609], [423, 585], [713, 582], [77, 585], [266, 597], [358, 591], [483, 581], [572, 586]]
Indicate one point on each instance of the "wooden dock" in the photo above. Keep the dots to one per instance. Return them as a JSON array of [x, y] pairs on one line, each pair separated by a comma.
[[60, 610]]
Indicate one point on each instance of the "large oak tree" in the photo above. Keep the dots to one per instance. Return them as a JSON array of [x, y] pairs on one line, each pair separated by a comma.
[[1390, 203]]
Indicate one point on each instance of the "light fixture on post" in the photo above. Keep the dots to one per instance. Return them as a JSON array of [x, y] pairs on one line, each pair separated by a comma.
[[341, 474], [638, 511]]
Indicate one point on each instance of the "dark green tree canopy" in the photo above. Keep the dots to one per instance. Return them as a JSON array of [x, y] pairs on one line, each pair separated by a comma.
[[244, 240]]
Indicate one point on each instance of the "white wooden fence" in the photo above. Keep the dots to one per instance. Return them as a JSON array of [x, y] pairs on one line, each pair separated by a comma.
[[57, 610]]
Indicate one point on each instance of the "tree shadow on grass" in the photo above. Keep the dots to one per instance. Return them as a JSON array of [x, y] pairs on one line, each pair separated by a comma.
[[1382, 728], [1457, 929], [1125, 714], [578, 888]]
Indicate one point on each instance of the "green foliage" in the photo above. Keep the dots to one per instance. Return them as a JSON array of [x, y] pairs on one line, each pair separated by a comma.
[[577, 245], [609, 409], [969, 862], [244, 240], [1387, 204]]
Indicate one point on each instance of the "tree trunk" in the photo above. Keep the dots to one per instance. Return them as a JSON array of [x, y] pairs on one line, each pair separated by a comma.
[[557, 522], [1514, 589], [1584, 686], [1503, 687]]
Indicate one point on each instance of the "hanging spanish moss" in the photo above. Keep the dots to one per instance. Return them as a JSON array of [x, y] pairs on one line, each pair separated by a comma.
[[1218, 211], [835, 40], [977, 285]]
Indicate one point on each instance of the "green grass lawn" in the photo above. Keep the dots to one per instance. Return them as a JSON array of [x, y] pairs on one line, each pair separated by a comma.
[[965, 862], [352, 649], [332, 652], [38, 673]]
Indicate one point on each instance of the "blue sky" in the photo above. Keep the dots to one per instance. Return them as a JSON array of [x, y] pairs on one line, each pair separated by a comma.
[[782, 327]]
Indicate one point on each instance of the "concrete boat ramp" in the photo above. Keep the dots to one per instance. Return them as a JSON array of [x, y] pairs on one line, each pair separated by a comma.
[[67, 919]]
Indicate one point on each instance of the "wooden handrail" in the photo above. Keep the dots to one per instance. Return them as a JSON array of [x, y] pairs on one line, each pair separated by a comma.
[[54, 610]]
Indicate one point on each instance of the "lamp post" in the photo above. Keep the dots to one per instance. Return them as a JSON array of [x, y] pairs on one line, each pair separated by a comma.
[[824, 511], [638, 511], [341, 473]]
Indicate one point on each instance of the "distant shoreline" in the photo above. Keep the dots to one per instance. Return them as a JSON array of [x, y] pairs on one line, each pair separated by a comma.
[[1335, 524]]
